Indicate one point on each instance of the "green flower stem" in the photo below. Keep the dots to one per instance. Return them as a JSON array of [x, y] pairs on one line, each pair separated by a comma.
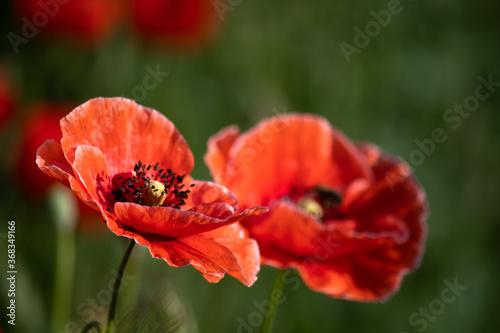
[[63, 284], [65, 212], [267, 324], [91, 325], [116, 287]]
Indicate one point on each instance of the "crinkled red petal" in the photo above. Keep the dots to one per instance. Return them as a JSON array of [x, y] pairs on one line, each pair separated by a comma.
[[171, 222], [125, 133], [283, 154]]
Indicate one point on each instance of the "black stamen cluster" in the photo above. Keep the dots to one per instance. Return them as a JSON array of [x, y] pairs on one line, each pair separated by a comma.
[[134, 188]]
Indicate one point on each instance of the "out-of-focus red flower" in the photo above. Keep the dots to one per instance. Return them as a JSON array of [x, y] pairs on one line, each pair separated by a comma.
[[7, 97], [42, 123], [86, 21], [179, 24], [348, 217], [132, 166]]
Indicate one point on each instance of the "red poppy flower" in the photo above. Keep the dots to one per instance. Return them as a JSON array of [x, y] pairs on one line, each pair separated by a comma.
[[348, 217], [89, 21], [179, 24], [132, 166], [42, 124], [7, 97]]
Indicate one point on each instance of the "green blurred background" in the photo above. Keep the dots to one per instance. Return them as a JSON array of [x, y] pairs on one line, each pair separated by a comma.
[[273, 57]]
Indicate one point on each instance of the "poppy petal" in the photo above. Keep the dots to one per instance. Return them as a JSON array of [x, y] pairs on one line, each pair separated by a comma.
[[355, 266], [396, 192], [204, 192], [336, 283], [212, 257], [92, 169], [395, 189], [219, 146], [171, 222], [292, 152], [151, 137], [51, 160], [246, 252], [295, 239]]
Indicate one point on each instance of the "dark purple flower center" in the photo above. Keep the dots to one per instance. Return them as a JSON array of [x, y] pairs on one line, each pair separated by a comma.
[[149, 185], [320, 202]]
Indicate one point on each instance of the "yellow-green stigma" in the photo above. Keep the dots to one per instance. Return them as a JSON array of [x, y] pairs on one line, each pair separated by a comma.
[[154, 193], [149, 185], [311, 207]]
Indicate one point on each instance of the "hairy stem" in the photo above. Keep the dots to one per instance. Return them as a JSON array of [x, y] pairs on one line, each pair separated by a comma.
[[116, 287]]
